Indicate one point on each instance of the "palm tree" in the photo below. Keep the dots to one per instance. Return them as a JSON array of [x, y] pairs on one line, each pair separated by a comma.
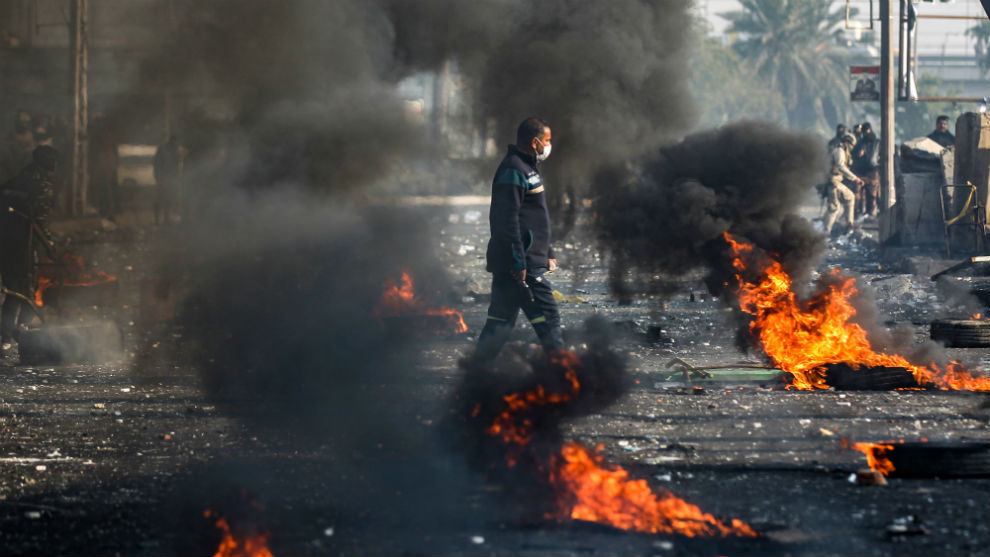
[[793, 46], [980, 33]]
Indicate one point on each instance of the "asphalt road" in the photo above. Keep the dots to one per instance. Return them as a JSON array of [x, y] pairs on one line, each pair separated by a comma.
[[124, 458]]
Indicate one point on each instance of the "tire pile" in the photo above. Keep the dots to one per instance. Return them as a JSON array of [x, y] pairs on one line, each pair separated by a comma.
[[961, 333]]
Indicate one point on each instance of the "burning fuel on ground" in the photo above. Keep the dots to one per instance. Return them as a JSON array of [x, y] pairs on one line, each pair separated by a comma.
[[801, 337], [292, 311], [400, 301], [585, 487]]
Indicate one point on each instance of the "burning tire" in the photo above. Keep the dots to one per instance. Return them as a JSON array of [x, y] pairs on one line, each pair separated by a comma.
[[926, 460], [843, 377], [961, 333]]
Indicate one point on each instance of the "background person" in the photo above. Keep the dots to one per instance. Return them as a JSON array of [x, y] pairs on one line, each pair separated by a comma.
[[941, 135]]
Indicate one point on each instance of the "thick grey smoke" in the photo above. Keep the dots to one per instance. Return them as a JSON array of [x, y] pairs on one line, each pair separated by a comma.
[[310, 85], [288, 107], [601, 377], [279, 313], [667, 216], [611, 77]]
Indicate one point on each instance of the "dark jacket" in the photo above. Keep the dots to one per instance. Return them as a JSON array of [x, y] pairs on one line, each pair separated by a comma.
[[31, 195], [519, 220], [945, 139], [166, 163], [864, 155]]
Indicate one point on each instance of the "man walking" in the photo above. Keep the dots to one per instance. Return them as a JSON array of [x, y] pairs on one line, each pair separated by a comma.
[[519, 254]]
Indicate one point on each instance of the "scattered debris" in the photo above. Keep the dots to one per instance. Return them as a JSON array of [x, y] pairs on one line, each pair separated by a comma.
[[907, 526], [869, 477]]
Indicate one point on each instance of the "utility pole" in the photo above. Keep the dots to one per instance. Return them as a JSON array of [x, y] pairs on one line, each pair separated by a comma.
[[887, 98], [79, 38]]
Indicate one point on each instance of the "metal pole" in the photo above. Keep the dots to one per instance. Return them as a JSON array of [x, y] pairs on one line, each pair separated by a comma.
[[983, 100], [903, 64], [962, 17], [74, 92], [84, 102], [887, 97], [80, 105]]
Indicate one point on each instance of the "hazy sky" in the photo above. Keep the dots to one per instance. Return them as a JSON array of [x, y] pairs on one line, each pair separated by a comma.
[[935, 36]]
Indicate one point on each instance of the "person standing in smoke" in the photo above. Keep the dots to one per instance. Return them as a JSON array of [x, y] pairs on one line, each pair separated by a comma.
[[166, 168], [15, 153], [840, 197], [864, 166], [519, 254], [27, 201]]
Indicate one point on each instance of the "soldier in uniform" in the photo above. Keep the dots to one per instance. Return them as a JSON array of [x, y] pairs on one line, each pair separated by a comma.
[[25, 204], [840, 132], [840, 197]]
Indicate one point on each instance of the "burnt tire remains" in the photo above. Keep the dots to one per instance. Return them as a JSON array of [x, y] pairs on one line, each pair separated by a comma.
[[961, 333], [940, 459], [844, 377]]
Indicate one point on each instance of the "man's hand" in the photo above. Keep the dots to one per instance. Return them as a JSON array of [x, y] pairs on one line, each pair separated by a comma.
[[552, 263], [519, 275]]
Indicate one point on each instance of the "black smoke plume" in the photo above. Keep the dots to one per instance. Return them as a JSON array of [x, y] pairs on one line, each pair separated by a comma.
[[288, 107], [481, 396], [667, 215], [308, 86], [279, 311], [611, 77]]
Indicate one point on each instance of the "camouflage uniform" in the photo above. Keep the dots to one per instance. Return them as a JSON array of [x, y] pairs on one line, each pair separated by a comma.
[[840, 197], [32, 196]]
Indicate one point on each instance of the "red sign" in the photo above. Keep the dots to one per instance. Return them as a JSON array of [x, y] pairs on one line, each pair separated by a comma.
[[864, 83]]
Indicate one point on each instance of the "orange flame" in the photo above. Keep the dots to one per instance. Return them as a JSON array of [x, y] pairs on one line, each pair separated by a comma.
[[237, 544], [517, 433], [588, 489], [800, 338], [977, 316], [595, 492], [69, 272], [402, 300], [876, 456]]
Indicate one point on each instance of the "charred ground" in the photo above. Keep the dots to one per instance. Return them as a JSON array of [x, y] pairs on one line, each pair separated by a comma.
[[124, 458]]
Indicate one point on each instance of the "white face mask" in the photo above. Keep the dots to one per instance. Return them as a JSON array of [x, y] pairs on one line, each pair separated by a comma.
[[546, 152]]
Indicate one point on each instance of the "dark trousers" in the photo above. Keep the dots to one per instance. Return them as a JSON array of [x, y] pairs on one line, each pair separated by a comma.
[[868, 196], [508, 297], [166, 194], [21, 278]]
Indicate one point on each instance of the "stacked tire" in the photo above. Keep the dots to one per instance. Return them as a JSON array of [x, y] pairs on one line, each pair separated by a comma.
[[940, 459], [961, 333]]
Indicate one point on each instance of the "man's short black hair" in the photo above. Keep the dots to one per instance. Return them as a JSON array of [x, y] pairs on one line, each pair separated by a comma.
[[531, 127], [942, 117], [866, 126], [839, 128]]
